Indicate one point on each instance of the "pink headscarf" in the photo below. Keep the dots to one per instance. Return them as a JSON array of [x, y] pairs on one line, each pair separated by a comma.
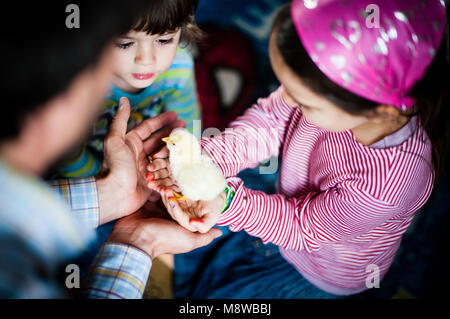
[[381, 63]]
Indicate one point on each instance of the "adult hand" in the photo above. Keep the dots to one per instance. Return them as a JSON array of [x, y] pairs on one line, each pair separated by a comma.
[[122, 184], [157, 236]]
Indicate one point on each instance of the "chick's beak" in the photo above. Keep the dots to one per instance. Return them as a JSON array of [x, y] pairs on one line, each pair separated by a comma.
[[166, 140]]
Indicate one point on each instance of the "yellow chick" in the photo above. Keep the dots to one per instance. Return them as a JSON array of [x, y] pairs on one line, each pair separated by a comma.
[[194, 172]]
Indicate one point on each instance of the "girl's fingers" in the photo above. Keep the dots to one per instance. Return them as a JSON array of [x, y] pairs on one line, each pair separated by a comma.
[[177, 213], [158, 175], [168, 191], [205, 216], [154, 186], [157, 188], [162, 183], [162, 153], [157, 164], [169, 208], [176, 188], [204, 224]]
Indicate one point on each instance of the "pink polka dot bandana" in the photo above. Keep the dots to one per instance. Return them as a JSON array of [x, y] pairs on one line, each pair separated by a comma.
[[376, 49]]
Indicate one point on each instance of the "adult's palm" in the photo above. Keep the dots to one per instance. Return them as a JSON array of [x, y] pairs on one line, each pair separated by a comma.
[[123, 187]]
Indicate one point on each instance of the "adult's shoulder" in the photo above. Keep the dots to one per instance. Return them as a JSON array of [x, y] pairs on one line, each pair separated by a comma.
[[30, 210]]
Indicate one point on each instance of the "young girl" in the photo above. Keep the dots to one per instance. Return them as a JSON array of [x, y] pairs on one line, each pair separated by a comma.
[[152, 71], [355, 123]]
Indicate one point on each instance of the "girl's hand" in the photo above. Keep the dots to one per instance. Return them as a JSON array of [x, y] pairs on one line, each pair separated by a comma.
[[195, 216], [159, 177]]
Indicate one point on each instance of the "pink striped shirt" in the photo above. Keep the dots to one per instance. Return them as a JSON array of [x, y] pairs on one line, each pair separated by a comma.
[[340, 206]]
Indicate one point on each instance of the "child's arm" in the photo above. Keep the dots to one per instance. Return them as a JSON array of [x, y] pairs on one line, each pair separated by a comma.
[[253, 137], [82, 163], [307, 222]]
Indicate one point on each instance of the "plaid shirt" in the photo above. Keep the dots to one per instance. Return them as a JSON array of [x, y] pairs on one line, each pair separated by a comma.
[[119, 271], [39, 235]]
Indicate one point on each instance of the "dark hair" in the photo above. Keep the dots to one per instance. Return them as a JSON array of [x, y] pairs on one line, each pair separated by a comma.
[[41, 55], [430, 93], [163, 16]]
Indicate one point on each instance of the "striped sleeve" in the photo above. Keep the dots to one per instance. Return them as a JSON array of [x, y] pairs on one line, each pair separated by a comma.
[[118, 272], [304, 222], [82, 197], [253, 137], [82, 163]]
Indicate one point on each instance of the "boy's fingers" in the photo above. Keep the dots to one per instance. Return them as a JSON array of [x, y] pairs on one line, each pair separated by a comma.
[[119, 124]]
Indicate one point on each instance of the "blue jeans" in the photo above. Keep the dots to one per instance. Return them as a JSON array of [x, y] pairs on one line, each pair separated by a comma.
[[239, 266]]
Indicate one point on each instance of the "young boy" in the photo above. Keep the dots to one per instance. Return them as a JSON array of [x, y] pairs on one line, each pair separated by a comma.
[[153, 71]]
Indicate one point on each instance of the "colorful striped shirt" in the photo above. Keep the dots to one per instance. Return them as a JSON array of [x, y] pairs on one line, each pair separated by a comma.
[[40, 235], [174, 90], [341, 208]]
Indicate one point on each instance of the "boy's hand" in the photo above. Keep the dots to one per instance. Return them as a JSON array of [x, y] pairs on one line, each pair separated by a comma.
[[195, 216]]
